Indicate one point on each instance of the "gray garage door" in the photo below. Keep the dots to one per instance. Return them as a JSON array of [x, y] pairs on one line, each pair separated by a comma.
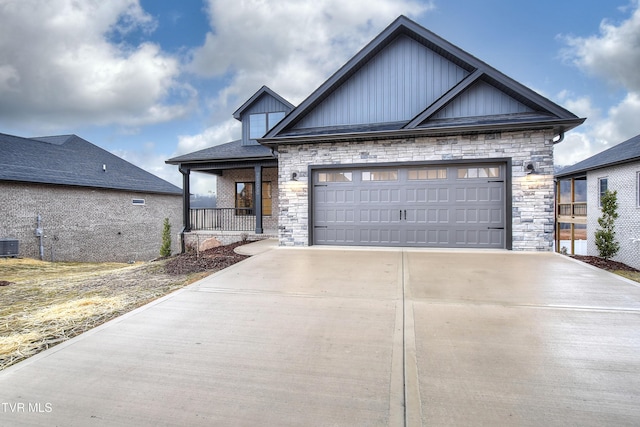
[[454, 206]]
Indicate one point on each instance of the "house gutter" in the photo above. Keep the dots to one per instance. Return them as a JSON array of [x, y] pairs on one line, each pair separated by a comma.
[[560, 125]]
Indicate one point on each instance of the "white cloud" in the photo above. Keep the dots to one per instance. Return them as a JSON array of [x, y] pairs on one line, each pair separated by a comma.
[[576, 146], [599, 132], [614, 56], [622, 120], [152, 161], [289, 45], [292, 46], [226, 131], [60, 68]]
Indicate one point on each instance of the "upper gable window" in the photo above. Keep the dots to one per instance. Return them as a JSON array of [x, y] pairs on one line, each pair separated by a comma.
[[260, 123]]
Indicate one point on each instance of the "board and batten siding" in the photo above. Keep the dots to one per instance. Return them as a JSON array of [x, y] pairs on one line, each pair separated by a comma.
[[395, 85], [482, 99]]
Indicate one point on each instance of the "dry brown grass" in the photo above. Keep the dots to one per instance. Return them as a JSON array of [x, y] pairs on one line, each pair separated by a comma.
[[47, 303], [631, 275]]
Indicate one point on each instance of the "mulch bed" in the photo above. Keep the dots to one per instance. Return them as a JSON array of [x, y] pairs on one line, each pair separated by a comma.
[[605, 264], [211, 259]]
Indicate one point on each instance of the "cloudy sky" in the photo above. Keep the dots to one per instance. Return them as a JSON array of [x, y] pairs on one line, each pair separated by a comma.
[[152, 79]]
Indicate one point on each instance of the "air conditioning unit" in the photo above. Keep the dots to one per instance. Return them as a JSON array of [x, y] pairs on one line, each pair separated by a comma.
[[9, 248]]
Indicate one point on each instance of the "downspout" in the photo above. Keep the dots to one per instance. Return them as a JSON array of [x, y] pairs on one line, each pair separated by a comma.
[[561, 135], [556, 192]]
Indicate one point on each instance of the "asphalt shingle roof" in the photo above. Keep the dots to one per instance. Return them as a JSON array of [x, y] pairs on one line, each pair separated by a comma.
[[233, 150], [624, 152], [70, 160]]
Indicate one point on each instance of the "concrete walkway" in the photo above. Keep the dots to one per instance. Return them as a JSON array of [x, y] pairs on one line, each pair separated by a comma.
[[344, 337]]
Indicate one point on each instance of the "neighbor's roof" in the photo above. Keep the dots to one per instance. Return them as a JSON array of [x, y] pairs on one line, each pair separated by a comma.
[[233, 150], [625, 152], [70, 160]]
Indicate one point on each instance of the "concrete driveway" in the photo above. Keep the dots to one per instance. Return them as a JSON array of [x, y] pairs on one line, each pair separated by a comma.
[[345, 337]]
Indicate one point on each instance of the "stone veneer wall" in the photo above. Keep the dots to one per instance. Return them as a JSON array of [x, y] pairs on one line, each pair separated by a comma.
[[624, 180], [226, 191], [88, 224], [533, 195]]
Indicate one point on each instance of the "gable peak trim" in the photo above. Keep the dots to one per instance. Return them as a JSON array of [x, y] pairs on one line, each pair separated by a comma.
[[264, 90]]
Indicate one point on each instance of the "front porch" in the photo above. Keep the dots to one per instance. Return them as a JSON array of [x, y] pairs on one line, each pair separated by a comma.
[[246, 189], [227, 225]]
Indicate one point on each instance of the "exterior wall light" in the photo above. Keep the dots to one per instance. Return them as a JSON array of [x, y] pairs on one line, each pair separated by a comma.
[[294, 176], [530, 168]]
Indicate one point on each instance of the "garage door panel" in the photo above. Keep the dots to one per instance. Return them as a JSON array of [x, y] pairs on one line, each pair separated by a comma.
[[385, 216], [455, 207], [438, 237], [416, 195], [497, 194], [333, 196], [341, 236], [381, 236], [480, 237], [383, 195]]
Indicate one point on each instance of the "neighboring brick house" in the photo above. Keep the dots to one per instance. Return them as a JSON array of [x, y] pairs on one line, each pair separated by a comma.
[[413, 142], [579, 189], [92, 205]]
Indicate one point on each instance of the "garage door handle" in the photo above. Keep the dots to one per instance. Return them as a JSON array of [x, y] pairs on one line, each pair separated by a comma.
[[495, 228], [405, 214]]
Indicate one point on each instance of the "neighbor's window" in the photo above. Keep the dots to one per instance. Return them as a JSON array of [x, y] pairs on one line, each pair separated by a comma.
[[603, 186], [138, 202], [389, 175], [244, 198], [260, 123], [427, 174], [483, 172], [335, 177], [638, 187]]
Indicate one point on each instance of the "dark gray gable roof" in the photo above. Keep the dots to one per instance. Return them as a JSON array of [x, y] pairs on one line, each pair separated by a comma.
[[625, 152], [230, 151], [70, 160], [545, 113], [256, 96]]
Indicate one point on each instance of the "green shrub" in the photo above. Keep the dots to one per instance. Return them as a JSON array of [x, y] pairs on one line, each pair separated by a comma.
[[165, 249], [606, 241]]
